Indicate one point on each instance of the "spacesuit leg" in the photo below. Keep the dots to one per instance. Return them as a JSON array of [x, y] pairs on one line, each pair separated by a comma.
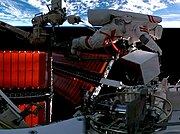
[[87, 42], [150, 43]]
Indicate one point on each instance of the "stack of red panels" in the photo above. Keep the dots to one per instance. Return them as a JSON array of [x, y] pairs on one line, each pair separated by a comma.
[[70, 87], [90, 61], [22, 69]]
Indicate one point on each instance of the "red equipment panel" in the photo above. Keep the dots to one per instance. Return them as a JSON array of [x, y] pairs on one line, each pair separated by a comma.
[[22, 69], [1, 68], [14, 69], [6, 69], [29, 69]]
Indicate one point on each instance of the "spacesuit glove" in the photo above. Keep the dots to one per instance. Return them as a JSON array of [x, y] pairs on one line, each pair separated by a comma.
[[75, 51], [76, 47]]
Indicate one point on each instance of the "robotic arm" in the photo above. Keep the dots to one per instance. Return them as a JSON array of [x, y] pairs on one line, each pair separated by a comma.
[[55, 16]]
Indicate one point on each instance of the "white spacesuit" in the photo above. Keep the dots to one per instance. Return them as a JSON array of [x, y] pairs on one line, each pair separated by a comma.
[[133, 27]]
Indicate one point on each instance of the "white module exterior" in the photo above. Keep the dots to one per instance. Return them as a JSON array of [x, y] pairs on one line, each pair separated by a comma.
[[145, 64]]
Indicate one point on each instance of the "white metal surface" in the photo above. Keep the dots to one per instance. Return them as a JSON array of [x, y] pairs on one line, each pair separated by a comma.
[[143, 64], [70, 126]]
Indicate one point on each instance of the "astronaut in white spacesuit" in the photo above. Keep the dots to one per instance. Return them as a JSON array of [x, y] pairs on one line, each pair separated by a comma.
[[133, 27]]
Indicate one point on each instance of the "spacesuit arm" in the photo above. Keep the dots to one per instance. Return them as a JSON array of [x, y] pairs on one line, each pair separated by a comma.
[[146, 39]]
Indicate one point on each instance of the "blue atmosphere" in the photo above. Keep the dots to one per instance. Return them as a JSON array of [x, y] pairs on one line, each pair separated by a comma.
[[21, 12]]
